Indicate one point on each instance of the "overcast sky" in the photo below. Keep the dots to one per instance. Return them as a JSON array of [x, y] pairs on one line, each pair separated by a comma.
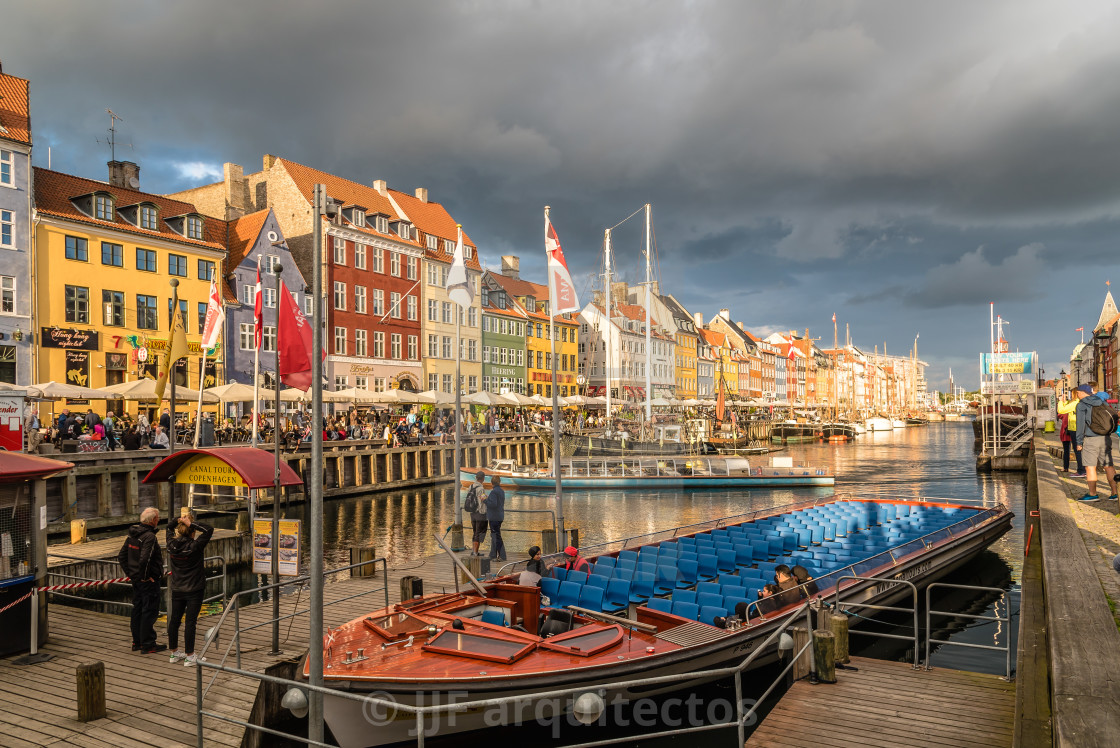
[[898, 164]]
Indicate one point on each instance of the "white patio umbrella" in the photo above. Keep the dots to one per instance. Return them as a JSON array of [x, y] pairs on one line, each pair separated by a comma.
[[708, 403], [145, 389], [354, 395], [541, 400], [397, 397], [595, 402], [660, 402], [435, 397], [577, 400], [690, 402], [516, 398], [230, 393], [484, 398]]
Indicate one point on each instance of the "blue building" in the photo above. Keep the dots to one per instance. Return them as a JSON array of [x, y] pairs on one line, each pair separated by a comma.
[[252, 236], [16, 283]]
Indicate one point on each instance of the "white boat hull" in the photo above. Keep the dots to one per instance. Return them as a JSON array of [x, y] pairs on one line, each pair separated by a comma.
[[878, 424]]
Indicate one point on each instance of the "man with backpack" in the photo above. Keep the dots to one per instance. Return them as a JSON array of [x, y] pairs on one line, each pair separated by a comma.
[[473, 504], [1096, 422]]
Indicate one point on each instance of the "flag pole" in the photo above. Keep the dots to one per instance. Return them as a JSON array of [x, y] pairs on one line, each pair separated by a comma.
[[562, 533], [198, 411], [461, 545], [257, 339], [277, 269], [315, 479]]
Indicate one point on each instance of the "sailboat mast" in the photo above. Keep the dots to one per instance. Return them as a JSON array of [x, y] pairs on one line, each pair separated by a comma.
[[649, 321], [610, 346]]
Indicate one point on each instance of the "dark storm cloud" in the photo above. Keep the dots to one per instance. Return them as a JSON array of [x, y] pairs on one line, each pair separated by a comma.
[[900, 164]]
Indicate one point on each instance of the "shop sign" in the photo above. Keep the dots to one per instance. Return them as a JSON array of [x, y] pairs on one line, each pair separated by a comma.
[[208, 470], [362, 369], [116, 361], [69, 338], [288, 542], [77, 368]]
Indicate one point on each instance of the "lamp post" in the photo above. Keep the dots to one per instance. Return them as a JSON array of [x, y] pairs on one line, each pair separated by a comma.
[[276, 269]]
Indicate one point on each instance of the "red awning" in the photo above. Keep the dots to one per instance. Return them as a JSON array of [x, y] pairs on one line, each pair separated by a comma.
[[17, 467], [255, 466]]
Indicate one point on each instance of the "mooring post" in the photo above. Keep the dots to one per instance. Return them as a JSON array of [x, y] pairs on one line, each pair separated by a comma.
[[840, 633], [91, 691]]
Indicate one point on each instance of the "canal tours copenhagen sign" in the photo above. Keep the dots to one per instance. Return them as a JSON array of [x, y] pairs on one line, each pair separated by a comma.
[[1007, 363], [208, 470]]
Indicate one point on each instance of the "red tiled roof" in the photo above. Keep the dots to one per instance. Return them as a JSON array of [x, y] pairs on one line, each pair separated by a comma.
[[54, 192], [432, 218], [243, 235], [712, 338], [518, 287], [632, 311], [15, 109]]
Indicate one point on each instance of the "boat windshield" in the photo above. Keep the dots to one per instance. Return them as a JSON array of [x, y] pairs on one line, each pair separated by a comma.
[[464, 644], [585, 644]]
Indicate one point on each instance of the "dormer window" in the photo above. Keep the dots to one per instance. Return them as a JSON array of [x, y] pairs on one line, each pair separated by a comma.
[[467, 251], [404, 231], [149, 217], [355, 214], [383, 224], [359, 217], [103, 207], [194, 227], [433, 241], [530, 304], [449, 246]]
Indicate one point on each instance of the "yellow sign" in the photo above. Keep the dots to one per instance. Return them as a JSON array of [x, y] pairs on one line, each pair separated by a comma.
[[208, 470], [288, 542]]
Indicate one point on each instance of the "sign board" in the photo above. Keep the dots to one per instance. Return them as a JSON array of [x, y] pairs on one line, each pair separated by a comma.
[[208, 470], [69, 338], [1025, 387], [11, 420], [77, 368], [289, 547], [141, 354], [1007, 363]]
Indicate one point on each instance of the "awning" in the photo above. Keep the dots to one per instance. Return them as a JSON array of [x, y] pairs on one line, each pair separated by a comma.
[[17, 467], [244, 466]]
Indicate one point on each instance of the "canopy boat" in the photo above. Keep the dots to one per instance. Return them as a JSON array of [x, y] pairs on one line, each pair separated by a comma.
[[655, 472], [667, 439], [793, 430], [645, 611]]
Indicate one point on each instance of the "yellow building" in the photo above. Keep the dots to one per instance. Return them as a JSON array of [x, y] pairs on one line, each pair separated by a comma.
[[686, 365], [538, 345], [105, 254], [727, 365]]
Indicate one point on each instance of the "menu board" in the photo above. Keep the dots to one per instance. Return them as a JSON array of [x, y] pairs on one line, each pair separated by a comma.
[[289, 547]]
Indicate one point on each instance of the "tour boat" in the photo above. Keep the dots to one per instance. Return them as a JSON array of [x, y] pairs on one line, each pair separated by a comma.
[[645, 611], [654, 472]]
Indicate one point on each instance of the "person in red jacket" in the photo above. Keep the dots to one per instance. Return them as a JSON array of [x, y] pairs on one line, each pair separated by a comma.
[[575, 562]]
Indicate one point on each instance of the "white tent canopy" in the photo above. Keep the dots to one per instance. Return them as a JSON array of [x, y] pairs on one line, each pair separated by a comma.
[[435, 397], [235, 392], [145, 389], [484, 398]]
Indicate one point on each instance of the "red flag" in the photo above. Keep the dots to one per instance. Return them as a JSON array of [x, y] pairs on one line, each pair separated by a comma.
[[834, 317], [1079, 329], [561, 290], [258, 312], [293, 341]]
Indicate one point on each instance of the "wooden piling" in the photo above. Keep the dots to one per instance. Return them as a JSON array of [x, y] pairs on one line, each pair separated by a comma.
[[800, 638], [824, 652], [91, 691], [840, 633], [360, 555]]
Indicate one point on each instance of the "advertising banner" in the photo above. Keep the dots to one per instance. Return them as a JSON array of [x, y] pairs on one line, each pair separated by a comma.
[[1025, 387], [1007, 363], [289, 547]]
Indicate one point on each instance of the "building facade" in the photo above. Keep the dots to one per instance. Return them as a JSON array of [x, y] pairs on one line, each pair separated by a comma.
[[17, 289], [504, 323]]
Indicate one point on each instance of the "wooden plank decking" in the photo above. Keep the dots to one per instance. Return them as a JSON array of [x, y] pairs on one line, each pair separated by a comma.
[[888, 704]]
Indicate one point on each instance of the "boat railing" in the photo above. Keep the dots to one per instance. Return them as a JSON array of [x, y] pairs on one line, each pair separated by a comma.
[[893, 494], [1004, 620], [234, 646], [379, 706], [881, 582]]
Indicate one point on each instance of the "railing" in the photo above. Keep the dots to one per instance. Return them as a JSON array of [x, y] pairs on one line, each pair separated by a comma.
[[945, 642], [916, 637], [1002, 444], [371, 703], [235, 605]]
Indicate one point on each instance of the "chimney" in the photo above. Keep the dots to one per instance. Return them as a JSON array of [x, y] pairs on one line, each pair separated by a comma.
[[655, 287], [269, 160], [237, 191], [124, 174], [620, 293], [381, 186], [511, 267], [698, 318], [422, 194], [726, 314]]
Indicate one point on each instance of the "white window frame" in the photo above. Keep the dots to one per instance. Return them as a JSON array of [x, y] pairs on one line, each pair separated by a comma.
[[378, 301], [412, 314], [378, 260], [433, 381], [361, 383], [194, 227], [394, 305], [98, 202], [395, 341], [433, 346], [8, 294], [383, 224], [360, 299], [433, 310], [360, 342], [448, 347], [8, 230], [360, 256], [449, 246], [144, 212], [395, 264], [339, 251], [340, 341], [340, 296], [247, 336], [433, 241], [268, 338], [413, 263], [269, 297], [379, 345], [7, 168], [413, 348]]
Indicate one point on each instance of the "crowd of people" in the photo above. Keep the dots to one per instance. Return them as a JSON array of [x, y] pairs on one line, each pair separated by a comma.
[[1087, 424]]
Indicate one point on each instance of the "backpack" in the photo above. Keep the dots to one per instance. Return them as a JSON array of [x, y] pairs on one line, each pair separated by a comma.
[[1102, 420], [470, 504]]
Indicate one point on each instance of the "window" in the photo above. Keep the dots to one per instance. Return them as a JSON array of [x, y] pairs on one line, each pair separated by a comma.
[[395, 340], [378, 301], [308, 305], [112, 254], [395, 264], [8, 294], [433, 381], [7, 228], [486, 384], [194, 227], [359, 342], [378, 260], [467, 251], [269, 263], [383, 224], [379, 384], [503, 355], [360, 256], [77, 304], [340, 341], [472, 350], [447, 383], [149, 218], [340, 383], [485, 354], [433, 274], [269, 297], [182, 310], [360, 299], [361, 383], [433, 346], [246, 337], [177, 265], [379, 345], [77, 248], [449, 246], [201, 317], [433, 242], [412, 308], [447, 312], [472, 385], [486, 324], [433, 310], [413, 348], [147, 316], [521, 357], [7, 178], [339, 251], [340, 296], [249, 294], [404, 231], [447, 348], [412, 263], [103, 208], [395, 305], [472, 317], [205, 270]]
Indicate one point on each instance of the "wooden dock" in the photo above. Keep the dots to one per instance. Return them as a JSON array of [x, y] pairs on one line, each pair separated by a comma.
[[888, 704], [151, 701]]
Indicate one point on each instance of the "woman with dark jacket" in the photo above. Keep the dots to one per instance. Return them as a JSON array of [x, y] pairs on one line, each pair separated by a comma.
[[188, 580]]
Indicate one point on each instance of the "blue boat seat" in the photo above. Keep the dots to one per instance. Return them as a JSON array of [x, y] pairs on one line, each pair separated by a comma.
[[578, 577], [725, 560], [690, 611], [730, 602], [684, 596], [560, 573], [628, 556], [708, 614], [602, 570], [665, 580], [606, 561], [617, 597], [641, 587], [591, 597], [550, 587], [661, 604], [496, 617], [725, 579], [709, 587], [706, 599], [568, 595], [707, 567], [597, 580]]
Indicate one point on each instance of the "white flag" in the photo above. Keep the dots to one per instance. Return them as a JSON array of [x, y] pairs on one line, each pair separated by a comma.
[[561, 291], [458, 285], [215, 317]]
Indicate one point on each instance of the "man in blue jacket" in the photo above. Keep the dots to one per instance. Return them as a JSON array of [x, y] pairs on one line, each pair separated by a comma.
[[1095, 448], [495, 514]]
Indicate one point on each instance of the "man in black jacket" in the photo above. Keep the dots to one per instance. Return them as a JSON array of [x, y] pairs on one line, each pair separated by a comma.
[[142, 562]]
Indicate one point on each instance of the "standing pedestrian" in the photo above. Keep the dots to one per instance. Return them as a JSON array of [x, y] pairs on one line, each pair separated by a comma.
[[1095, 441], [31, 426], [142, 562], [474, 503], [1068, 409], [1066, 435], [186, 550], [495, 515], [110, 424]]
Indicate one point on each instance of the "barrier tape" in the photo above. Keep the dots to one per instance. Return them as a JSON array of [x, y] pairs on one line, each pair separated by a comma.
[[16, 602], [76, 585]]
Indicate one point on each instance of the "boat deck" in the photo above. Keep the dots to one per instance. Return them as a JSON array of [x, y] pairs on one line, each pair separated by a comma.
[[888, 704]]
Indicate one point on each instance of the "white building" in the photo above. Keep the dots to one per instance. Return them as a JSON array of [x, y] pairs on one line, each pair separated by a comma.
[[615, 355]]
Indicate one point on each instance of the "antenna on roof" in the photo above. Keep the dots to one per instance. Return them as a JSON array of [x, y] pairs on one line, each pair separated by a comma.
[[112, 141]]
